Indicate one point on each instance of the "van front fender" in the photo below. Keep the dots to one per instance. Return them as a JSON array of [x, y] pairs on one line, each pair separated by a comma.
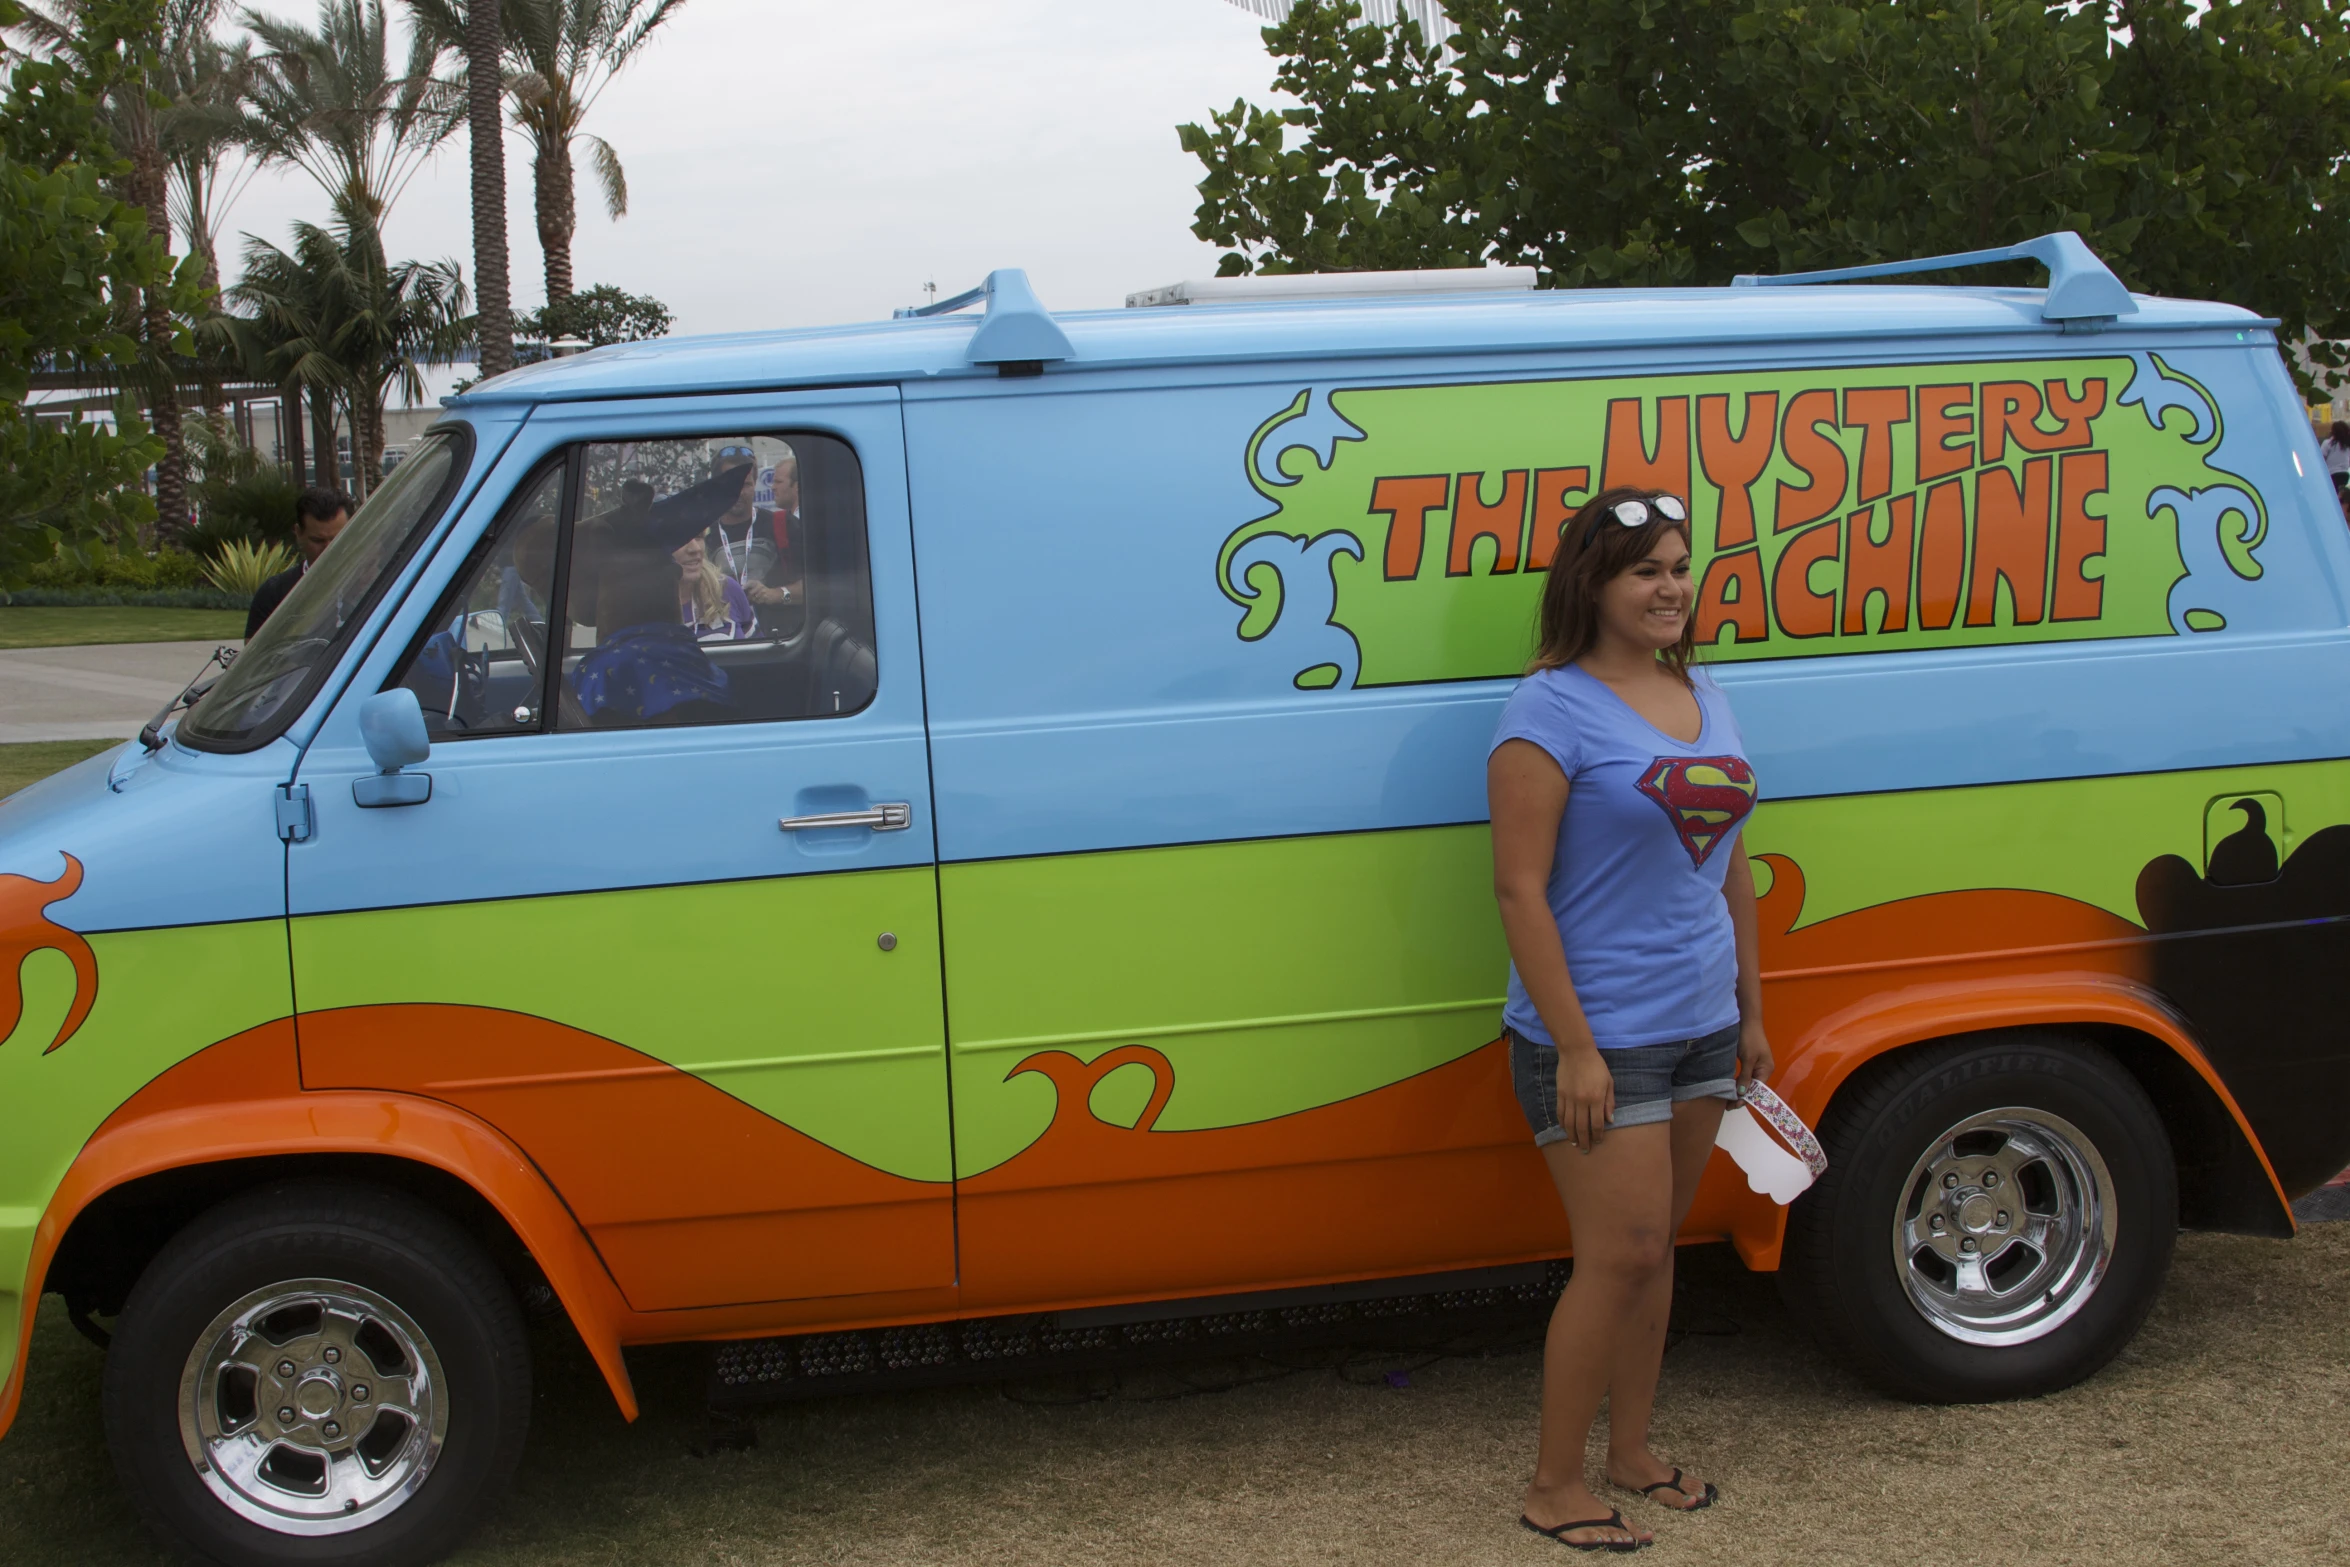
[[242, 1099], [1819, 1063]]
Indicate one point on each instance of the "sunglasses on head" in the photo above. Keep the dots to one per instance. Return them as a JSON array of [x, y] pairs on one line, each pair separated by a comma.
[[1635, 513]]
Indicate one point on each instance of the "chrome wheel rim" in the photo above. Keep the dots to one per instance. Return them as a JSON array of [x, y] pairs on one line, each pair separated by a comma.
[[2005, 1227], [313, 1407]]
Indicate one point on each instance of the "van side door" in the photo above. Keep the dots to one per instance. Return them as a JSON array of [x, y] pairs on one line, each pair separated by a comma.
[[665, 913]]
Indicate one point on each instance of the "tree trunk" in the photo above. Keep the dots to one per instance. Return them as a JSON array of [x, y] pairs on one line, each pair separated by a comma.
[[484, 100], [375, 444], [215, 407], [171, 474], [324, 469], [558, 217], [290, 455]]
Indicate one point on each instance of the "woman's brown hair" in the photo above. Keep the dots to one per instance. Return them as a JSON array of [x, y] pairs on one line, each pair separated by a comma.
[[1594, 549]]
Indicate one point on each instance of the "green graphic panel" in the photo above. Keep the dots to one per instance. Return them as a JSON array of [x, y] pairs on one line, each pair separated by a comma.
[[776, 991], [1274, 976], [2080, 838], [163, 995], [1869, 509]]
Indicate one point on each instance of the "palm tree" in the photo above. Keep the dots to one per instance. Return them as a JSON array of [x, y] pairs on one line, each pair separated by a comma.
[[331, 104], [562, 54], [472, 33], [485, 41], [203, 125], [279, 327], [336, 316]]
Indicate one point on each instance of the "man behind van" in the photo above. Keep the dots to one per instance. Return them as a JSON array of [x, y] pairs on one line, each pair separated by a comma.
[[320, 514]]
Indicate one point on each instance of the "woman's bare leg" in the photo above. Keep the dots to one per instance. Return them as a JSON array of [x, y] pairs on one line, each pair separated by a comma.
[[1632, 1394], [1619, 1205]]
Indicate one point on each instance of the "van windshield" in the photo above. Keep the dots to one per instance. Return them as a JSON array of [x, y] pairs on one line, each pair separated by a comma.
[[287, 659]]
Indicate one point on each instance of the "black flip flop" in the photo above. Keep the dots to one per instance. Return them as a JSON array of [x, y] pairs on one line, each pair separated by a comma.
[[1705, 1499], [1614, 1520]]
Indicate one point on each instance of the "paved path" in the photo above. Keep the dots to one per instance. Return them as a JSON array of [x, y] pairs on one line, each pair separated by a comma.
[[91, 693]]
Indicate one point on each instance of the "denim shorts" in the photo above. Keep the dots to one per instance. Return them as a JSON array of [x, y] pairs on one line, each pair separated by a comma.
[[1650, 1079]]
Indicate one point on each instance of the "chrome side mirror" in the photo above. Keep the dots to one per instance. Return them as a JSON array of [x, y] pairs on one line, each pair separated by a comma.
[[392, 725]]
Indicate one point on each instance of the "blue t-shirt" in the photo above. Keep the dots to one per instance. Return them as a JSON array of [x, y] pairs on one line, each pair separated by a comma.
[[1649, 830]]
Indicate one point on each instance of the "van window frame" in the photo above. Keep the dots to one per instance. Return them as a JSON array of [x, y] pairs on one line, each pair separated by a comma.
[[570, 459], [566, 461], [461, 436]]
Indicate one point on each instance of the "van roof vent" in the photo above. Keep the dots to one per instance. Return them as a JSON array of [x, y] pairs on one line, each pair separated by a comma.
[[1017, 329], [2081, 288], [1338, 285]]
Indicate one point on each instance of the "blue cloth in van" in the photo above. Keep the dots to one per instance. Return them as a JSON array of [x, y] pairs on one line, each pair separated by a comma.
[[1647, 838], [645, 671]]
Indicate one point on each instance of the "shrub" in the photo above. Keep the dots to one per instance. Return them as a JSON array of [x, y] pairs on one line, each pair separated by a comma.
[[241, 566], [236, 494]]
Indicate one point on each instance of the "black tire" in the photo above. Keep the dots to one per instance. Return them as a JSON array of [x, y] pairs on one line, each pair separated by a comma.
[[1843, 1272], [445, 1339]]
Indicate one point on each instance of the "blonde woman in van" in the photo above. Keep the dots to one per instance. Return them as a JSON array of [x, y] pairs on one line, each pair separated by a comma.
[[1618, 784]]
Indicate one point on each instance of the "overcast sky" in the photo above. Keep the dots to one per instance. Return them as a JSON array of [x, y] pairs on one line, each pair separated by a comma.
[[804, 161]]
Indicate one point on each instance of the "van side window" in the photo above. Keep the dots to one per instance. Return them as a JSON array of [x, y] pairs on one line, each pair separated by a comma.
[[717, 580], [478, 666]]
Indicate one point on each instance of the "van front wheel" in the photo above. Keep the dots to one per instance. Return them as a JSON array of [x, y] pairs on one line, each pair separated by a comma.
[[1996, 1220], [317, 1374]]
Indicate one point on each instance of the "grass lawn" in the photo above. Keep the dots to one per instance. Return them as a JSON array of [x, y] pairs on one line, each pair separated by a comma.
[[29, 764], [25, 625]]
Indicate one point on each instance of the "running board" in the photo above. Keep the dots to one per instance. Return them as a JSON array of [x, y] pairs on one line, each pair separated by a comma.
[[1417, 1312]]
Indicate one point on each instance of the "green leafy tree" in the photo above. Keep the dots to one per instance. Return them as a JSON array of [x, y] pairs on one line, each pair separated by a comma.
[[78, 264], [135, 112], [600, 315], [2198, 147]]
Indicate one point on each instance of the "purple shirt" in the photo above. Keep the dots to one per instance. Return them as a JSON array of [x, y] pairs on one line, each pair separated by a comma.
[[1649, 831]]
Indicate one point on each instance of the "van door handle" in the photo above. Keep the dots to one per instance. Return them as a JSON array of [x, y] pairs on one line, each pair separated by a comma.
[[896, 816]]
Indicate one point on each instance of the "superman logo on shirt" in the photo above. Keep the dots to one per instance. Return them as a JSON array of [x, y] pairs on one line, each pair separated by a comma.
[[1705, 797]]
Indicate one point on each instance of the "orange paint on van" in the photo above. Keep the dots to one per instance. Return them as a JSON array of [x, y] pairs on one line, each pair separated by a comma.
[[26, 928], [693, 1197], [243, 1099], [1844, 991], [1431, 1172]]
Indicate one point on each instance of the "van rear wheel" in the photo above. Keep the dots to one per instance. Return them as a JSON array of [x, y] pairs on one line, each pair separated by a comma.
[[1996, 1221], [319, 1374]]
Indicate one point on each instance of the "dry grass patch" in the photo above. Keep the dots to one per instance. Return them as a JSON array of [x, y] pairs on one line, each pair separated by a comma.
[[2211, 1438]]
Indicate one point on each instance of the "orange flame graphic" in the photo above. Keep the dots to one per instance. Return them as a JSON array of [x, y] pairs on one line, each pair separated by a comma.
[[25, 928]]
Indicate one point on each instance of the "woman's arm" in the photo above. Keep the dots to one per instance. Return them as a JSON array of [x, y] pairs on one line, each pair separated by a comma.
[[1754, 1047], [1527, 794]]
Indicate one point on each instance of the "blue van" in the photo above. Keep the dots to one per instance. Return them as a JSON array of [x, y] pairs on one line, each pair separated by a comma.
[[901, 846]]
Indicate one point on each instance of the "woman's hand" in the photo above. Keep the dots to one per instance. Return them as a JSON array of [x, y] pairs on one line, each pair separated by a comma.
[[1754, 1053], [1587, 1095]]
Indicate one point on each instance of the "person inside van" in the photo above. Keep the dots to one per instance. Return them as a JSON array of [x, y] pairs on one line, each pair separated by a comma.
[[648, 664], [708, 600], [320, 515], [1618, 784], [742, 543]]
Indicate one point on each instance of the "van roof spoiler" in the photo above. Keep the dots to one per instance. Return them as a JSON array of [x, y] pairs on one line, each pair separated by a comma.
[[2080, 287], [1016, 330]]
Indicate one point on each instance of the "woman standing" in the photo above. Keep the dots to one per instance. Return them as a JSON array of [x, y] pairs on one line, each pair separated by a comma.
[[1618, 783]]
